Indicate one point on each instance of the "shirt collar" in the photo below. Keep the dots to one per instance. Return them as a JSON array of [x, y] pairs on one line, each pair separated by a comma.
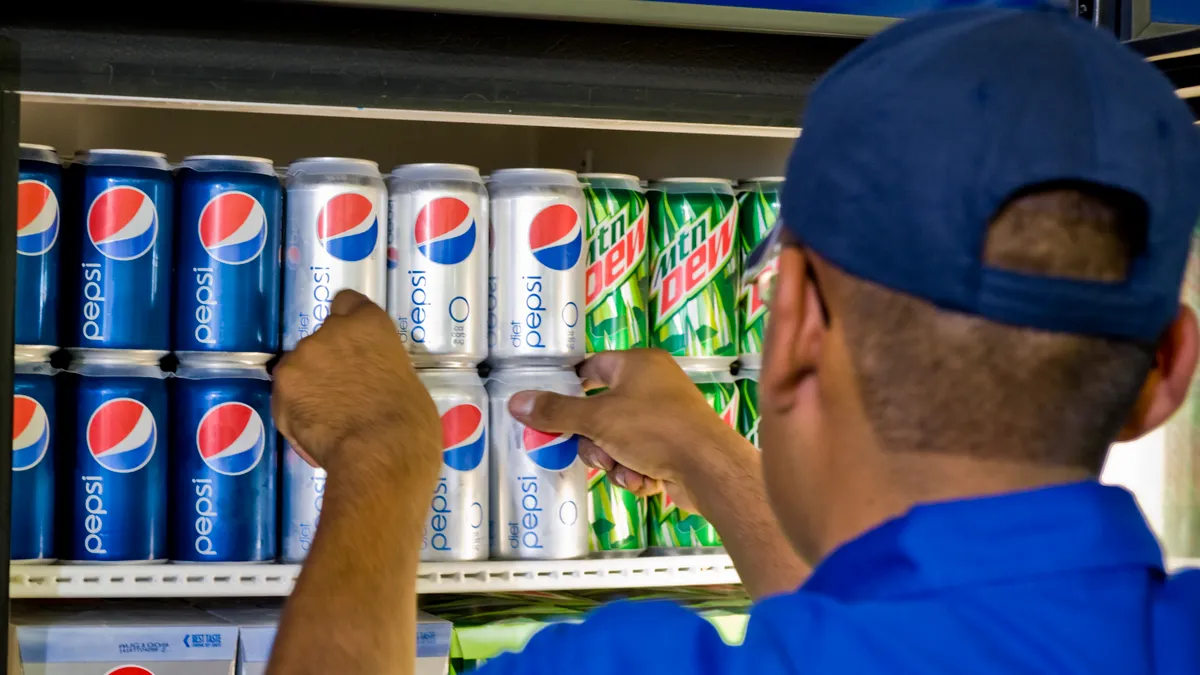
[[1065, 528]]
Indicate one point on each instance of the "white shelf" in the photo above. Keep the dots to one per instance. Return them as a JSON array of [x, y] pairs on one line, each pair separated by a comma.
[[164, 581]]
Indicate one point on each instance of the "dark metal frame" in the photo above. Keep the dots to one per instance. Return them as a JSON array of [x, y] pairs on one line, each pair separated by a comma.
[[9, 135]]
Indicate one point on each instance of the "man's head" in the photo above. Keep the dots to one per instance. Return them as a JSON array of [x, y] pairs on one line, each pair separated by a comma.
[[969, 315]]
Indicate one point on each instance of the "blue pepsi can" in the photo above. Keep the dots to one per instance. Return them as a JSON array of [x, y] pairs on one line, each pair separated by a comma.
[[39, 189], [121, 253], [227, 283], [34, 434], [303, 499], [116, 467], [223, 465]]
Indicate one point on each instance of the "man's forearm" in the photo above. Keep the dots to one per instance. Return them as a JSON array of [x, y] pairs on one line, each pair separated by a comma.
[[353, 610], [730, 492]]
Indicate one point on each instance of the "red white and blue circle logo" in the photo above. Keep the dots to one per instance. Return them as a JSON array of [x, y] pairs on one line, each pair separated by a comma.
[[231, 438], [31, 433], [233, 228], [445, 230], [37, 217], [554, 452], [129, 670], [463, 437], [348, 227], [121, 435], [122, 222], [556, 237]]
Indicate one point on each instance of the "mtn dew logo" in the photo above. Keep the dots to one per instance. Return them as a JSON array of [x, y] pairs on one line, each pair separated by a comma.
[[617, 285], [694, 279], [758, 210]]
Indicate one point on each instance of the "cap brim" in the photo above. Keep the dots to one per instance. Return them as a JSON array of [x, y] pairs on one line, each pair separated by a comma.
[[763, 254]]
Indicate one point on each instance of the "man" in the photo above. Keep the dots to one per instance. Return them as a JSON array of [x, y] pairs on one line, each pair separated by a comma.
[[986, 223]]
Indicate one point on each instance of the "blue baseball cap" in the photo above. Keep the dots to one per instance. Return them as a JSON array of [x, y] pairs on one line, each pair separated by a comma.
[[916, 140]]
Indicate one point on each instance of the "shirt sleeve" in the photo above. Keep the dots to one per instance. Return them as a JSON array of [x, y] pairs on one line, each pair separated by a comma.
[[625, 638]]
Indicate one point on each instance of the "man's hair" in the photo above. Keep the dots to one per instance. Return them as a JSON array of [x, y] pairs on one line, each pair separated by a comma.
[[933, 379]]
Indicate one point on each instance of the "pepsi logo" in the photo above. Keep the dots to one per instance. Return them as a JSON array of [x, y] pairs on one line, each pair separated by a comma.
[[556, 237], [445, 230], [121, 435], [37, 217], [393, 258], [233, 228], [554, 452], [129, 670], [347, 227], [231, 438], [122, 223], [463, 437], [31, 433], [293, 257]]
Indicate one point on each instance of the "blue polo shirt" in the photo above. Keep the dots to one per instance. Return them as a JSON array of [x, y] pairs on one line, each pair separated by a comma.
[[1064, 580]]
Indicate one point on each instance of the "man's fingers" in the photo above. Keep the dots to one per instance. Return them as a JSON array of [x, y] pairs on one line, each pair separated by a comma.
[[547, 411], [593, 456], [601, 369], [347, 301]]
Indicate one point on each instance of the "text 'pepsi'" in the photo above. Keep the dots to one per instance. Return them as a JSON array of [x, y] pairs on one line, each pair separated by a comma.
[[227, 255], [118, 258], [39, 221], [437, 263], [335, 240], [222, 497], [303, 499], [115, 460], [538, 483], [456, 527], [536, 276]]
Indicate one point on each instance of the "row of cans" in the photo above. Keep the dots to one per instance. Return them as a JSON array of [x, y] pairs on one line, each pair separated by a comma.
[[197, 258]]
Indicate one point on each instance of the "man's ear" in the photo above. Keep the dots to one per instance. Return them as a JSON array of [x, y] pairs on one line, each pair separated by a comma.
[[794, 330], [1167, 385]]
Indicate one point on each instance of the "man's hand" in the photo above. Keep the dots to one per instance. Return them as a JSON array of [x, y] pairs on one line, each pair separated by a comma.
[[349, 400], [652, 424]]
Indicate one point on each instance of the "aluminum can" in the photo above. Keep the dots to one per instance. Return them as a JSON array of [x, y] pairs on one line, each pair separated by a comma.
[[676, 531], [535, 284], [227, 255], [538, 483], [456, 527], [115, 463], [39, 196], [303, 498], [748, 414], [438, 263], [335, 239], [758, 210], [694, 273], [618, 265], [224, 465], [118, 278], [35, 435]]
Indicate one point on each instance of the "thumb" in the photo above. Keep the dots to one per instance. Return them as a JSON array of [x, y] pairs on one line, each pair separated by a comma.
[[547, 411], [347, 301]]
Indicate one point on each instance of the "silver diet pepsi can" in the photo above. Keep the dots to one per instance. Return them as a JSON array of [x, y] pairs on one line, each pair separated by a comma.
[[335, 239], [437, 263], [303, 498], [536, 279], [456, 527], [539, 485]]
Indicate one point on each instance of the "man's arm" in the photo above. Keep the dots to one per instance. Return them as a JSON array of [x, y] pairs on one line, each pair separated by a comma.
[[349, 399], [653, 422]]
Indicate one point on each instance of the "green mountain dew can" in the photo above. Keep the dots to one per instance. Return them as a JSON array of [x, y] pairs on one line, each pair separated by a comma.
[[674, 531], [694, 270], [758, 209], [618, 518], [748, 417], [618, 265]]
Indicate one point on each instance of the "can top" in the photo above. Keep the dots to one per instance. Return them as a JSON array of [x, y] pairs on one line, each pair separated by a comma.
[[221, 371], [33, 353], [85, 363], [528, 377], [429, 171], [709, 375], [686, 185], [751, 372], [773, 181], [218, 359], [455, 377], [32, 152], [533, 177], [138, 357], [333, 165], [229, 163], [612, 180], [138, 159]]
